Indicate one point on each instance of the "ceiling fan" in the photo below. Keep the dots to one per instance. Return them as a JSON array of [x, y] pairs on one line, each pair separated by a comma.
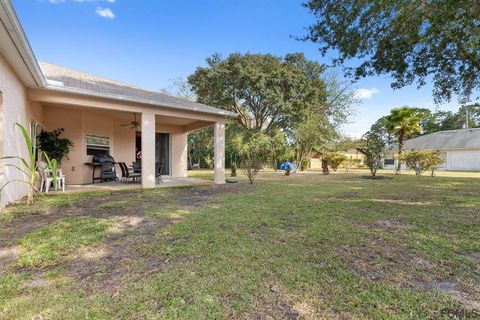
[[134, 124]]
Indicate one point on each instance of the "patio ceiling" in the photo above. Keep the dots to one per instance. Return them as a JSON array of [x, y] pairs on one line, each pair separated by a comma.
[[127, 117]]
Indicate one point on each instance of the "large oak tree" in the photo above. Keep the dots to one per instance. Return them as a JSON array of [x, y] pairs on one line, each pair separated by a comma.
[[267, 92], [414, 41]]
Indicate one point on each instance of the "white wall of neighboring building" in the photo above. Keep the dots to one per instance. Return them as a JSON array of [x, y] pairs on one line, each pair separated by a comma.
[[455, 160], [14, 108], [463, 160]]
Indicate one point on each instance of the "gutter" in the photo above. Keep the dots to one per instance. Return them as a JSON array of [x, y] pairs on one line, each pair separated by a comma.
[[20, 41]]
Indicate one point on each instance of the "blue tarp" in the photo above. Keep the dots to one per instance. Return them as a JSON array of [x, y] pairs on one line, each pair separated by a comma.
[[287, 164]]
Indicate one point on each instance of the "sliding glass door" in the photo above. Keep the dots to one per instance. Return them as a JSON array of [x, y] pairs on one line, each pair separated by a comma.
[[162, 151]]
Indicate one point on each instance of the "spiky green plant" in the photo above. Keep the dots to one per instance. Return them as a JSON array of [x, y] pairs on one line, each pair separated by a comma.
[[52, 165], [28, 165]]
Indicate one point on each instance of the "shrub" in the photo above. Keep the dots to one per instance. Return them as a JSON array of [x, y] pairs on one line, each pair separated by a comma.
[[253, 151], [335, 159], [352, 163], [53, 145], [422, 160], [373, 148]]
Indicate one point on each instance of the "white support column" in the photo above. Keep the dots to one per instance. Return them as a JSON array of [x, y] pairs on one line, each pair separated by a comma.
[[179, 155], [148, 149], [219, 145]]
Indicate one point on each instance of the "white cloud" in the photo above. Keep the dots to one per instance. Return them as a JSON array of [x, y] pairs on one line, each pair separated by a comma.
[[56, 1], [366, 93], [105, 12]]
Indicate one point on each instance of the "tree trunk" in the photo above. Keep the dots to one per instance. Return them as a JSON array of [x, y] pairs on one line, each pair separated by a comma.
[[400, 152]]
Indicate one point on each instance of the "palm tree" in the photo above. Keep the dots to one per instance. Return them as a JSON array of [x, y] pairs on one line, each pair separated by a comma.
[[403, 123]]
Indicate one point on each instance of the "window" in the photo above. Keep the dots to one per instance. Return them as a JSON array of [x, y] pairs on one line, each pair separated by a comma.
[[388, 162], [97, 145]]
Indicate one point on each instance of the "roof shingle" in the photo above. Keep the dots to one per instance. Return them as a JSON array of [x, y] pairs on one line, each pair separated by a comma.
[[65, 79], [445, 140]]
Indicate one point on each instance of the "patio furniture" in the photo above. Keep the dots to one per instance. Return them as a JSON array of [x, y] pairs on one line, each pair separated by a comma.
[[47, 177], [196, 165], [106, 163], [137, 166], [158, 172], [127, 175]]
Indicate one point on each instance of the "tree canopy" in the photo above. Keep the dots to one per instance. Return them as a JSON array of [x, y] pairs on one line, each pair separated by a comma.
[[267, 92], [372, 145], [404, 122], [409, 40], [450, 120]]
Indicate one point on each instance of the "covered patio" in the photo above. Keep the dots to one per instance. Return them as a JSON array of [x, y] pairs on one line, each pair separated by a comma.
[[131, 125]]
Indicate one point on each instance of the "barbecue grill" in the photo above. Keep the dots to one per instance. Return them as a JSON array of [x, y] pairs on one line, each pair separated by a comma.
[[107, 167]]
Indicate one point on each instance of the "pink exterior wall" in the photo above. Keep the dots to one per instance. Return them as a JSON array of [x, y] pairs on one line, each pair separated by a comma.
[[179, 155], [178, 148], [14, 107], [77, 124], [81, 115]]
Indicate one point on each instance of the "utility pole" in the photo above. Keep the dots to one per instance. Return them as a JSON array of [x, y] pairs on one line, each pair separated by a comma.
[[466, 118], [467, 108]]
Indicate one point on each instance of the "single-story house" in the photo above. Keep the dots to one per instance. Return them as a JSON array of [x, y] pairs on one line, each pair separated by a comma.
[[95, 113], [459, 148]]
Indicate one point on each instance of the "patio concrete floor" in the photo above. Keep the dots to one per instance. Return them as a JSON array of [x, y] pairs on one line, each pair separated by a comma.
[[116, 185]]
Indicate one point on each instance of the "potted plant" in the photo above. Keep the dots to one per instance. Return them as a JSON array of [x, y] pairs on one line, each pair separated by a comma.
[[53, 145]]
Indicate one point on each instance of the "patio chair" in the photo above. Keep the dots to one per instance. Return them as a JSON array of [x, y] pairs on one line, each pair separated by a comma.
[[158, 172], [127, 175], [137, 166], [196, 165], [47, 177]]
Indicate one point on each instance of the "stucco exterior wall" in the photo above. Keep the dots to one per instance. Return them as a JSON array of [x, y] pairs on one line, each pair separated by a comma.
[[14, 107], [315, 163], [179, 155], [77, 124], [455, 160], [466, 160]]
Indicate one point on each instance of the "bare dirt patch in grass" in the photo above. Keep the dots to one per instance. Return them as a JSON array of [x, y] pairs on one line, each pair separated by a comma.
[[376, 177], [126, 254], [392, 226], [466, 294], [123, 255], [379, 260], [279, 307], [190, 198]]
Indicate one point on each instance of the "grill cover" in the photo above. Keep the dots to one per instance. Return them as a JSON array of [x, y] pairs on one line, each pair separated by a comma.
[[101, 158], [107, 170]]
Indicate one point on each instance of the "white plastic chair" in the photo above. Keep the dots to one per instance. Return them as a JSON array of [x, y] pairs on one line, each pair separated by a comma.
[[61, 179], [47, 177], [47, 180]]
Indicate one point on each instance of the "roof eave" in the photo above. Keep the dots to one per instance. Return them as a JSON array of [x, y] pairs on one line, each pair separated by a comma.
[[97, 94], [17, 50]]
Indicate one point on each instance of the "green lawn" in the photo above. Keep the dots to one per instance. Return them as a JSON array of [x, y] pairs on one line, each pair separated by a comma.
[[306, 246]]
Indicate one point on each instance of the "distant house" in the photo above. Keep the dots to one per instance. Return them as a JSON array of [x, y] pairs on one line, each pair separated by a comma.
[[459, 148], [315, 161], [316, 158]]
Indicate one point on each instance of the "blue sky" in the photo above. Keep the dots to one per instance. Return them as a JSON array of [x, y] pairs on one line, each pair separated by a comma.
[[148, 42]]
